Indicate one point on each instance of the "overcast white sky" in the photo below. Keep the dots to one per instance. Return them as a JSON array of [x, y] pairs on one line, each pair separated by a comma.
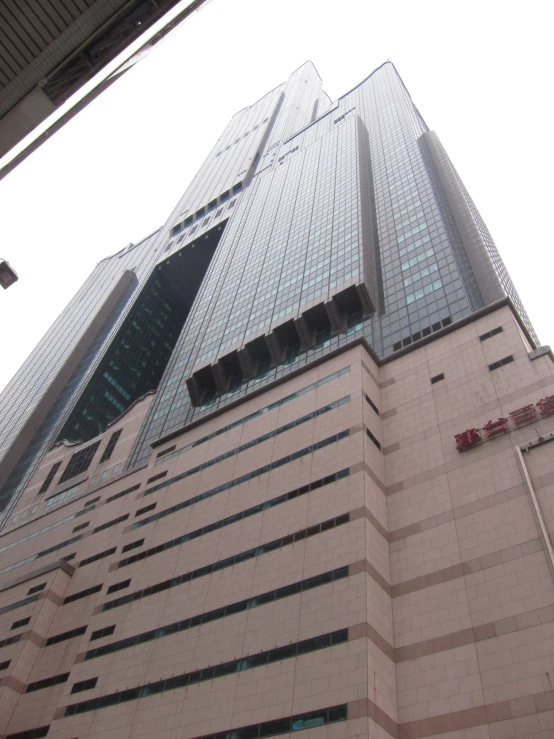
[[479, 72]]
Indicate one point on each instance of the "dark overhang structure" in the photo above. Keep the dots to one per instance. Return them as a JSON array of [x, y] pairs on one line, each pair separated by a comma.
[[50, 48]]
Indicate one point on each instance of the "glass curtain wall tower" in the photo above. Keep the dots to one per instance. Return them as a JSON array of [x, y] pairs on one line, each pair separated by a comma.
[[310, 224]]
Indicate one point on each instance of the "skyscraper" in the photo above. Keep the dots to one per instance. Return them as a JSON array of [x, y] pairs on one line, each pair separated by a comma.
[[295, 371]]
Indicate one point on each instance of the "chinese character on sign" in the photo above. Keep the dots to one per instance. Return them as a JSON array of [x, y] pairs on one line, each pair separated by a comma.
[[467, 438], [495, 428], [523, 415], [546, 405]]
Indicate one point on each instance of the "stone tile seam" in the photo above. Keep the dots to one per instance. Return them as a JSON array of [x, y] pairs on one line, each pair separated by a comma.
[[467, 416], [490, 501], [468, 567]]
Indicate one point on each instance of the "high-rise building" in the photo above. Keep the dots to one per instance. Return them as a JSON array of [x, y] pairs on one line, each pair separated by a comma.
[[274, 416]]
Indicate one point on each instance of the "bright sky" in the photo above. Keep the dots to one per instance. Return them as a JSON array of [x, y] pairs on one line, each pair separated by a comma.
[[479, 72]]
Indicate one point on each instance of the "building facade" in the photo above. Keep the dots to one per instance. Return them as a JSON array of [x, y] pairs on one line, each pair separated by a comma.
[[298, 371]]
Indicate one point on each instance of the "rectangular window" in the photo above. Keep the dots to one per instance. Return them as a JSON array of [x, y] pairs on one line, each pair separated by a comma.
[[5, 665], [20, 623], [82, 594], [437, 378], [79, 462], [119, 586], [133, 545], [64, 636], [37, 588], [30, 733], [145, 509], [122, 493], [84, 685], [490, 334], [49, 477], [109, 524], [96, 557], [500, 363], [373, 439], [371, 403], [106, 631], [80, 527], [156, 477], [108, 451], [47, 682]]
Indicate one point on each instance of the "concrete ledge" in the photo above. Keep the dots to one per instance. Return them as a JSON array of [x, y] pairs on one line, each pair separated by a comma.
[[59, 564]]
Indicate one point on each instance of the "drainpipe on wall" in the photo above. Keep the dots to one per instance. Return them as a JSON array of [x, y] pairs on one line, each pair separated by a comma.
[[519, 449]]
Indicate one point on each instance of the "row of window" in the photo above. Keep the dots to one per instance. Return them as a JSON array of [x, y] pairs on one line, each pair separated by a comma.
[[257, 551], [201, 212], [166, 454], [80, 461], [427, 331], [483, 337], [254, 442], [306, 646], [243, 605], [236, 517], [301, 721], [19, 604], [73, 539], [237, 480], [47, 682]]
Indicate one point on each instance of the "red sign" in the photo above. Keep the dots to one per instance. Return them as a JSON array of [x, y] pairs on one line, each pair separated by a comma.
[[467, 438], [495, 428], [520, 417]]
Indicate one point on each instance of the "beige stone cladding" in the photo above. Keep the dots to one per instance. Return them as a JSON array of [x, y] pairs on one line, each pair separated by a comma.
[[332, 503], [473, 598]]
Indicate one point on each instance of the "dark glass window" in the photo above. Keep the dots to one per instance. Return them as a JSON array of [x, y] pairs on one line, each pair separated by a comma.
[[118, 586], [37, 588], [20, 623], [30, 733], [108, 451], [82, 594], [84, 685], [490, 334], [100, 633], [500, 363], [96, 557], [79, 462], [50, 476], [47, 682]]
